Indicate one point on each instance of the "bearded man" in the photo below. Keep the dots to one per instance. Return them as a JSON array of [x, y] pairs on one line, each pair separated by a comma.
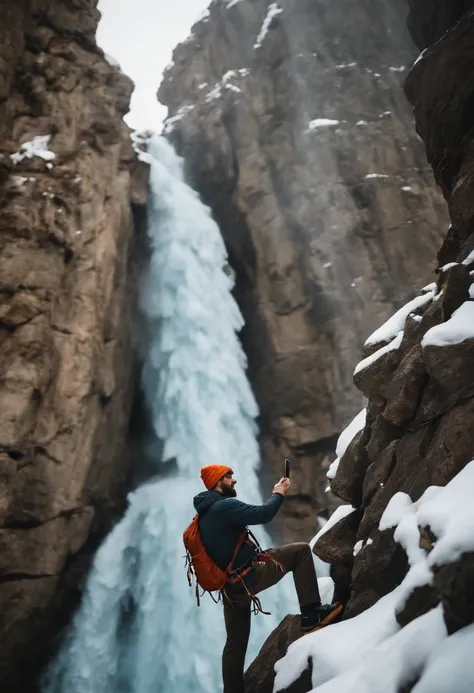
[[222, 519]]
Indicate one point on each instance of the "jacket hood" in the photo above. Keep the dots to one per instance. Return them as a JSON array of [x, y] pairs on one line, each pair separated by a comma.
[[204, 500]]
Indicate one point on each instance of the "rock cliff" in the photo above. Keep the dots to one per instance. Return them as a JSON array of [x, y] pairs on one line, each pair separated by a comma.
[[418, 431], [417, 375], [66, 380], [296, 132]]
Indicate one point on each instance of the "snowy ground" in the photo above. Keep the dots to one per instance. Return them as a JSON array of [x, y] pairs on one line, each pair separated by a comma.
[[371, 653]]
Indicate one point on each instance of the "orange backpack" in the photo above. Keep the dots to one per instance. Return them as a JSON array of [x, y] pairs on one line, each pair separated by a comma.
[[208, 575]]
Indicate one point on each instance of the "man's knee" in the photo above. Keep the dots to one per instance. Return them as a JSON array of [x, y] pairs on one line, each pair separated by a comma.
[[291, 555], [296, 547], [303, 554], [302, 548]]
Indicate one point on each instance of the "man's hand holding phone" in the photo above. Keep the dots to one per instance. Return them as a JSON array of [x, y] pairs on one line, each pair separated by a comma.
[[282, 486]]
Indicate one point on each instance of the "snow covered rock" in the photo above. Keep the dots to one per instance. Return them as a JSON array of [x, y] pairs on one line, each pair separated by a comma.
[[337, 542], [405, 388], [378, 472], [378, 568], [347, 482], [336, 547], [273, 11], [373, 374], [260, 675], [345, 440], [415, 534]]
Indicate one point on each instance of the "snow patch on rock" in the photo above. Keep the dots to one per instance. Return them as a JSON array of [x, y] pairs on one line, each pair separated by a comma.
[[38, 146], [393, 325], [347, 435], [469, 260], [322, 123], [445, 268], [457, 329], [171, 122], [340, 512], [391, 346], [273, 11], [225, 83]]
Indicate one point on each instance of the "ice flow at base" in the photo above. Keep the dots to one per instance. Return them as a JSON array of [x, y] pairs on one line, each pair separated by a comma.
[[138, 629]]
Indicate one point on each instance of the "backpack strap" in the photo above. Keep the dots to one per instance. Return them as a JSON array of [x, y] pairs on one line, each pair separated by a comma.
[[237, 548], [254, 539]]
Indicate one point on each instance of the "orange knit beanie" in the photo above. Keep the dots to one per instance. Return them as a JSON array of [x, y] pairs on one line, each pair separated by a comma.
[[212, 473]]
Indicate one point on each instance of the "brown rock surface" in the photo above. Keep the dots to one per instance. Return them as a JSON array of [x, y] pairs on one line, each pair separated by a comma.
[[65, 303], [419, 428], [260, 674], [429, 398], [329, 226]]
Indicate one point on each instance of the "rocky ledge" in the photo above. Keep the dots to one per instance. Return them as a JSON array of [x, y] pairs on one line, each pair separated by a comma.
[[66, 376]]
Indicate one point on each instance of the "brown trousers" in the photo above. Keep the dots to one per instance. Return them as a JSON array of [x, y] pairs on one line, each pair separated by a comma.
[[295, 558]]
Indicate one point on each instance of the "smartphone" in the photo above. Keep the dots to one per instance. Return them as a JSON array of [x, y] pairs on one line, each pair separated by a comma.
[[287, 468]]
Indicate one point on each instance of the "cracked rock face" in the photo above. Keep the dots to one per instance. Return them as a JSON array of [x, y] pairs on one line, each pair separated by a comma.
[[65, 304], [296, 132]]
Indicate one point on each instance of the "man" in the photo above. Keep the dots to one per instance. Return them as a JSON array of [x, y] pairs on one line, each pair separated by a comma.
[[222, 518]]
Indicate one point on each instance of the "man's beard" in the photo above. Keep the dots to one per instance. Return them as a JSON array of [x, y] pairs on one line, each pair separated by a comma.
[[229, 491]]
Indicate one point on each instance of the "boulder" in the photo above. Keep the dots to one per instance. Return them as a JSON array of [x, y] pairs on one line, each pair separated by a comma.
[[347, 484], [260, 675]]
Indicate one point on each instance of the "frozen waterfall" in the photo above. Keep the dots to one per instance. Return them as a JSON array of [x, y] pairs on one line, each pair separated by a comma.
[[138, 629]]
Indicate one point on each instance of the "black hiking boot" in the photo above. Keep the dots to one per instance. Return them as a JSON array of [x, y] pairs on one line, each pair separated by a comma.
[[316, 617]]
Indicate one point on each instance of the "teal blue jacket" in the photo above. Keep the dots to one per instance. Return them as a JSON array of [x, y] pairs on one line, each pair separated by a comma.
[[221, 522]]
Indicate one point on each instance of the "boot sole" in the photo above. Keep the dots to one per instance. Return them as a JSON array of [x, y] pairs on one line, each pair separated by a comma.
[[329, 619]]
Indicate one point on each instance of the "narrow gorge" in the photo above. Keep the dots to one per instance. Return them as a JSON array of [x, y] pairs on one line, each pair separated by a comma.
[[323, 257]]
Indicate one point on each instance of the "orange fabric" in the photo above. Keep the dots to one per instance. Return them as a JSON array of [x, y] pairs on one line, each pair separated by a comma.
[[208, 575], [212, 473]]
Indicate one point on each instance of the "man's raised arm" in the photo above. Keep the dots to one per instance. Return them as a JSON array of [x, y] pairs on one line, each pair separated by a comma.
[[244, 514]]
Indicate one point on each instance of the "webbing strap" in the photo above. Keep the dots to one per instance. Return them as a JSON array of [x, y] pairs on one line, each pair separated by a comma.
[[239, 544], [254, 539]]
